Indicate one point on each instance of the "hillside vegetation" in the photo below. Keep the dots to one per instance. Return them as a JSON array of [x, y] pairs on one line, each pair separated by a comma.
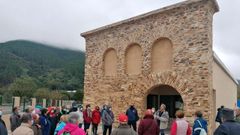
[[26, 67]]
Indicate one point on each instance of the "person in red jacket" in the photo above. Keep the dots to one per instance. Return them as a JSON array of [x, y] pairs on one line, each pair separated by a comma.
[[148, 126], [96, 117], [87, 117], [180, 126]]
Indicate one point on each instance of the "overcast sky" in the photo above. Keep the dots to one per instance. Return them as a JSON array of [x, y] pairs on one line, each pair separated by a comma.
[[60, 22]]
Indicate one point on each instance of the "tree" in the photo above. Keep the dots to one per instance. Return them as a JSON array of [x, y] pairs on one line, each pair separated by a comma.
[[23, 87], [78, 95], [42, 93], [56, 95]]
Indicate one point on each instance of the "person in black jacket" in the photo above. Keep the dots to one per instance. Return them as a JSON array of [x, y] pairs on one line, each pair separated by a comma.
[[15, 119], [219, 115], [3, 129], [229, 125]]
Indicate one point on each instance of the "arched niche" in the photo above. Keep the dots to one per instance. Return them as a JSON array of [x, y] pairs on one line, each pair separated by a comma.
[[133, 58], [162, 51], [110, 62]]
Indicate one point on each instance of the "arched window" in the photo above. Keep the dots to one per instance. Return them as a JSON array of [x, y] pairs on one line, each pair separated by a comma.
[[133, 59], [162, 55], [110, 62]]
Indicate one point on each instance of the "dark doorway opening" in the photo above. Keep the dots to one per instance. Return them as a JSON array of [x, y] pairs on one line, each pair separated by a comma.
[[167, 95]]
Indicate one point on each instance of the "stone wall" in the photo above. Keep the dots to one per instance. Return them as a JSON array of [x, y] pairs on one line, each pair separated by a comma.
[[188, 25]]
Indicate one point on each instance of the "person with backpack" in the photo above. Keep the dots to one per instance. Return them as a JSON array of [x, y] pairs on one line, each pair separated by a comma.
[[107, 120], [71, 128], [104, 107], [200, 124], [123, 128], [180, 126], [229, 125], [87, 117], [96, 118], [132, 117], [219, 115], [148, 126], [62, 123]]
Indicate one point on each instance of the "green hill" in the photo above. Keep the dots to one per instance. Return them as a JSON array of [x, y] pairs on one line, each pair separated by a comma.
[[48, 67]]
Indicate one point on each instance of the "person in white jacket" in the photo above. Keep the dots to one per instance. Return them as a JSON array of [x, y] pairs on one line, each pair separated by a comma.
[[163, 118], [80, 112]]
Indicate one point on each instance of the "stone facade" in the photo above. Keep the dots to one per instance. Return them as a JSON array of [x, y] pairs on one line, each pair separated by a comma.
[[188, 25]]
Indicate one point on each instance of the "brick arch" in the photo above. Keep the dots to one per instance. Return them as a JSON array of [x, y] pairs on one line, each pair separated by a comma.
[[143, 86]]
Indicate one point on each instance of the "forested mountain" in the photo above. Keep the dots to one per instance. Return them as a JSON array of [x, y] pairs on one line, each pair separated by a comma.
[[47, 67]]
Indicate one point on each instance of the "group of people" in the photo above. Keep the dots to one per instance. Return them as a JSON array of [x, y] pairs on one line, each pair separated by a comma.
[[77, 121]]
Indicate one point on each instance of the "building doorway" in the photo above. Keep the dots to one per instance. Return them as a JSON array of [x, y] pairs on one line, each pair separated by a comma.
[[165, 94]]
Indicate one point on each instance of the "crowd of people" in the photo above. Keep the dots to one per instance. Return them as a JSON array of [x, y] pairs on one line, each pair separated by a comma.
[[79, 121]]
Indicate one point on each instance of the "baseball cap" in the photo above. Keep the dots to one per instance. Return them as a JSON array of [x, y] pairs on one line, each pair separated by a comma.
[[123, 118]]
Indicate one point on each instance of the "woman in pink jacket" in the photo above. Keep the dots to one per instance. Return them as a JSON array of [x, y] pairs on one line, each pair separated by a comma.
[[71, 127], [180, 126]]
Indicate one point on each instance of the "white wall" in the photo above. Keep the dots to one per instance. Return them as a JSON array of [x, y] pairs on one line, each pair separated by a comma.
[[226, 88]]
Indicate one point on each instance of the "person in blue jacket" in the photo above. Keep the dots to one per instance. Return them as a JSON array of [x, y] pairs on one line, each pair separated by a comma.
[[199, 123], [229, 125], [132, 117], [45, 123]]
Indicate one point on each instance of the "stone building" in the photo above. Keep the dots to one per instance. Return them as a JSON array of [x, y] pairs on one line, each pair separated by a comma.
[[164, 56]]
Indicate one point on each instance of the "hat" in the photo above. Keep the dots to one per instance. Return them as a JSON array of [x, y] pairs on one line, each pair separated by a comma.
[[123, 118], [227, 114]]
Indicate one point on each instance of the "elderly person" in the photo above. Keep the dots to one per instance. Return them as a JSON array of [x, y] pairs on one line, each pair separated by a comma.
[[36, 125], [123, 128], [148, 126], [72, 126], [25, 127], [15, 119], [180, 126], [62, 123], [163, 117], [229, 125], [199, 124]]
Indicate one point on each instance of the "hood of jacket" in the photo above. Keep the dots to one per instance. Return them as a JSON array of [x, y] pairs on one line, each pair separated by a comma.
[[70, 127]]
